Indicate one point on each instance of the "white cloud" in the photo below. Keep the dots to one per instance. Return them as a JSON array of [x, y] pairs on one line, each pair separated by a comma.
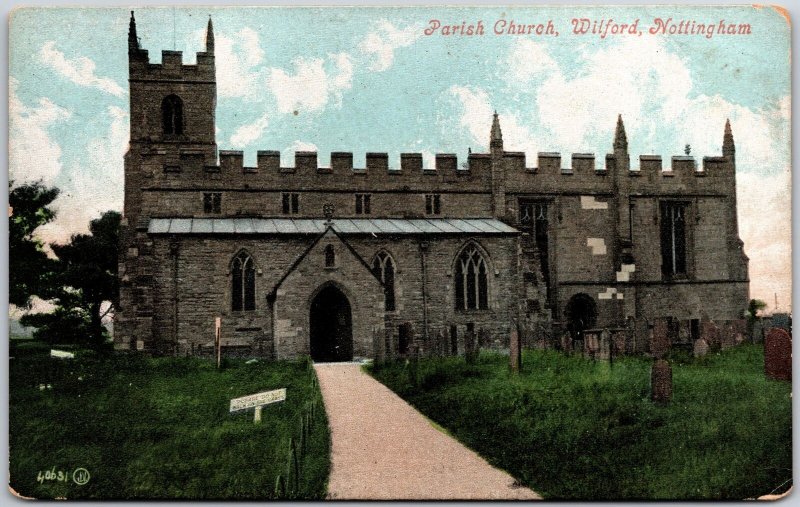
[[33, 154], [382, 42], [239, 60], [476, 118], [78, 70], [246, 134], [95, 185], [313, 84], [241, 73], [527, 60]]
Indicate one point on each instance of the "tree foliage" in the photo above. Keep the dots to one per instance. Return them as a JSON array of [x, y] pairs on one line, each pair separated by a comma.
[[88, 264], [755, 306], [83, 278], [30, 269]]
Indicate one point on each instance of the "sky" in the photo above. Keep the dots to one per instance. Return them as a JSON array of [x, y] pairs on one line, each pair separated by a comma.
[[370, 79]]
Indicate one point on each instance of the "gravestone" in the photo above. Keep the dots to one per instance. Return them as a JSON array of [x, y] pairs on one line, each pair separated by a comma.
[[515, 349], [441, 344], [604, 346], [591, 343], [566, 342], [660, 341], [758, 331], [470, 346], [727, 335], [485, 340], [619, 338], [739, 330], [778, 354], [700, 348], [661, 381], [781, 320], [710, 333]]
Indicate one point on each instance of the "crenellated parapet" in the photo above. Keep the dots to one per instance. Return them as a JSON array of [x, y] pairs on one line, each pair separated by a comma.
[[341, 164], [172, 67]]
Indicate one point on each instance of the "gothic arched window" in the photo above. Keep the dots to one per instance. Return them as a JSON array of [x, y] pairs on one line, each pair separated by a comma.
[[243, 289], [172, 115], [383, 267], [472, 284]]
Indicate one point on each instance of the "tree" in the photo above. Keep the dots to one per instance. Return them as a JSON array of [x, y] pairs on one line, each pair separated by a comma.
[[85, 277], [755, 306], [30, 269]]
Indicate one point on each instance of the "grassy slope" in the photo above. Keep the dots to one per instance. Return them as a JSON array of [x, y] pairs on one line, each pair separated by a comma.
[[572, 428], [159, 428]]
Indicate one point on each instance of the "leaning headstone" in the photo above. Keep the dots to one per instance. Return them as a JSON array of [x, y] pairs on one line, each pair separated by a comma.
[[61, 354], [660, 341], [700, 348], [778, 354], [515, 349], [661, 381]]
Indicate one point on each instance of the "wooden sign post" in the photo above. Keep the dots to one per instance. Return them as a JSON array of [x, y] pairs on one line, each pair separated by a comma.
[[218, 340], [257, 401]]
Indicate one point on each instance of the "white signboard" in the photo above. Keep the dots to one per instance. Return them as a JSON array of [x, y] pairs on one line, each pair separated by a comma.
[[61, 354], [258, 400]]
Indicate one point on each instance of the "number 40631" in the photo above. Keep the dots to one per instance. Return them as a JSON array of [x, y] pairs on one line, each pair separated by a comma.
[[52, 475]]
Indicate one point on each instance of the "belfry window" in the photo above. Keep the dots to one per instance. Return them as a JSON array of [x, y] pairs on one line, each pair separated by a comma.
[[243, 283], [383, 267], [212, 202], [673, 239], [290, 203], [363, 204], [433, 204], [472, 285], [172, 115]]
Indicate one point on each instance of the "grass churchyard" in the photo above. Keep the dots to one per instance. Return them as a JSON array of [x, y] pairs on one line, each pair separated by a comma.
[[573, 428], [162, 429]]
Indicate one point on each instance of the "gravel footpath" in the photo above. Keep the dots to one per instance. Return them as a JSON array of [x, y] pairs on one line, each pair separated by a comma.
[[382, 448]]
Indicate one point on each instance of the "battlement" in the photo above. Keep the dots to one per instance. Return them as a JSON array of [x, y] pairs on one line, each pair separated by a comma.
[[583, 165], [232, 161], [172, 66]]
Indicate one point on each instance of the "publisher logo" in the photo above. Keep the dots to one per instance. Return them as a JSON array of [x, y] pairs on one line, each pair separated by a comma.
[[80, 476]]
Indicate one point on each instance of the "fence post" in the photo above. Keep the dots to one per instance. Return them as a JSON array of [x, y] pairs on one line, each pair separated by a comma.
[[280, 487]]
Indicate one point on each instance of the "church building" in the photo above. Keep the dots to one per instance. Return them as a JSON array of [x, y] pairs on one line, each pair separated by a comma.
[[342, 262]]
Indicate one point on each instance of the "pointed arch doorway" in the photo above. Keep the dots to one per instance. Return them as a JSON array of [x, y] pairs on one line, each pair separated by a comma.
[[331, 326]]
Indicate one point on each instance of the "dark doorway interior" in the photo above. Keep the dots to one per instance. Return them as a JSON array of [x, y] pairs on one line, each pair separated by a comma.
[[331, 326], [403, 338], [581, 314]]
